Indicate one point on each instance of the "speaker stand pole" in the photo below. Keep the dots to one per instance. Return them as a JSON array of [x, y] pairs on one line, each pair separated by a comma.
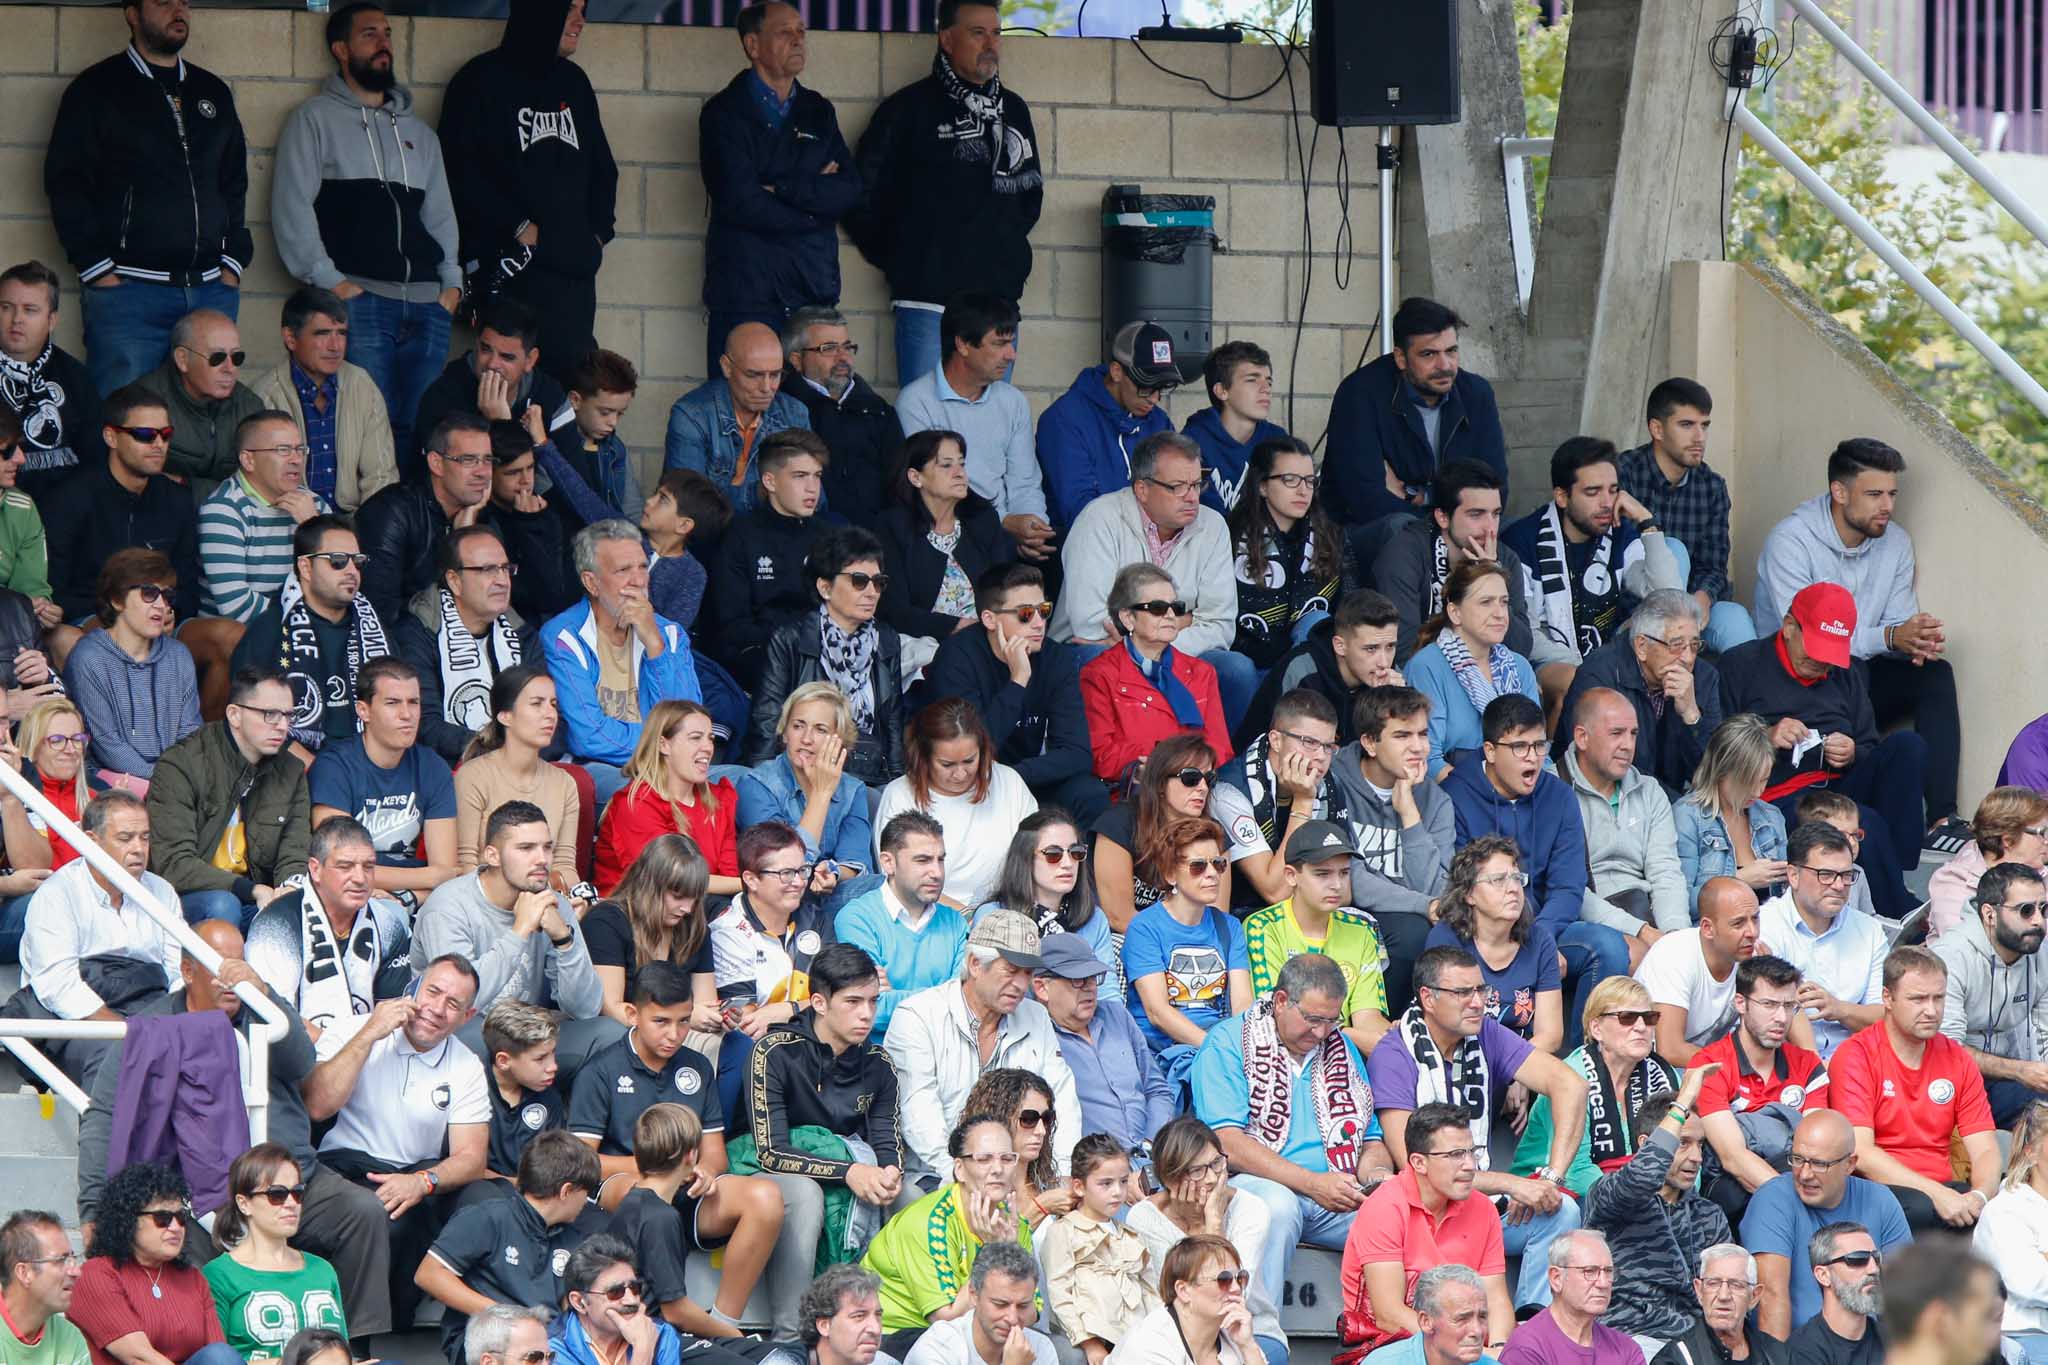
[[1389, 166]]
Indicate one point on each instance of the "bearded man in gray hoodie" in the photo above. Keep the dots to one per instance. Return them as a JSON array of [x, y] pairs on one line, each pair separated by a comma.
[[1998, 987]]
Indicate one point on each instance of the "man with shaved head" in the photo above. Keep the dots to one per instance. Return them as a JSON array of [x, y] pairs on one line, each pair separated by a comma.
[[1820, 1187], [1637, 886], [201, 384], [1690, 973], [716, 427]]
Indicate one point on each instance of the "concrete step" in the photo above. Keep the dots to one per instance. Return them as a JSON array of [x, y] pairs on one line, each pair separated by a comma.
[[39, 1136]]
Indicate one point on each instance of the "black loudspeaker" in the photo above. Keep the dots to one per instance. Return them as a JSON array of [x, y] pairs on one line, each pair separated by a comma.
[[1379, 62]]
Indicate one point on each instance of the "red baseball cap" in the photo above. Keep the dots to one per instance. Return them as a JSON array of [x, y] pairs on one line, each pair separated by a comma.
[[1826, 614]]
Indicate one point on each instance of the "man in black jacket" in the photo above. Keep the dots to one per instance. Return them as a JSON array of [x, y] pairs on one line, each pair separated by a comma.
[[123, 501], [761, 580], [950, 184], [1026, 687], [532, 175], [498, 381], [403, 526], [55, 403], [780, 177], [461, 633], [1341, 657], [147, 172], [1676, 693], [1726, 1289], [857, 424]]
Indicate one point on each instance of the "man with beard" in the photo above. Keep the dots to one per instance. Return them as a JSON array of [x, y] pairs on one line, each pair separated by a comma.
[[857, 424], [147, 171], [1461, 522], [1594, 552], [532, 176], [1998, 987], [1846, 1331], [915, 940], [1845, 536], [1669, 476], [46, 387], [1762, 1083], [359, 202]]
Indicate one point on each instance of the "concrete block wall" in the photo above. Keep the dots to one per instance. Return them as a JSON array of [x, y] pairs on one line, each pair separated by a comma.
[[1102, 112]]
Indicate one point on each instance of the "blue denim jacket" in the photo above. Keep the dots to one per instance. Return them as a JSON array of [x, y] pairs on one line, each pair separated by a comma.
[[771, 792], [704, 435], [1705, 851]]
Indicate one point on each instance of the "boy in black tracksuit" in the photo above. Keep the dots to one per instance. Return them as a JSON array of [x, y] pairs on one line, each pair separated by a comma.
[[521, 136], [759, 584]]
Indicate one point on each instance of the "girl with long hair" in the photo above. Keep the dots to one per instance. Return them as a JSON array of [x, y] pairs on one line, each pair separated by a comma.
[[266, 1200], [503, 763], [1462, 664], [656, 914], [1486, 910], [951, 774], [1023, 1100], [1045, 879], [2012, 1233], [669, 790], [1175, 783], [1291, 561]]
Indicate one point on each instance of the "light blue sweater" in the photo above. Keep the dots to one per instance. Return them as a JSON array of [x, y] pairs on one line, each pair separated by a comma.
[[1453, 719], [914, 960]]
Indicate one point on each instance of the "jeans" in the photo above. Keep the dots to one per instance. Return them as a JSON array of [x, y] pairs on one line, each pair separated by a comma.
[[404, 346], [1592, 953], [606, 778], [735, 1050], [2034, 1345], [917, 344], [201, 906], [1276, 1350], [128, 325], [219, 1353], [1297, 1219], [1531, 1241], [2009, 1099], [1728, 624], [1237, 679], [13, 919]]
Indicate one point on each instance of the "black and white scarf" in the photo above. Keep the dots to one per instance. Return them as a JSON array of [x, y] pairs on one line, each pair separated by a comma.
[[1463, 1082], [1264, 790], [849, 662], [1609, 1117], [1554, 582], [337, 980], [978, 125], [39, 402], [1439, 570], [298, 654], [1343, 1100], [469, 665]]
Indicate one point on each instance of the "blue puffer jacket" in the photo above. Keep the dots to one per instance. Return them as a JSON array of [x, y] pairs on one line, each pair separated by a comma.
[[1374, 426], [1085, 443], [1224, 457], [1545, 825]]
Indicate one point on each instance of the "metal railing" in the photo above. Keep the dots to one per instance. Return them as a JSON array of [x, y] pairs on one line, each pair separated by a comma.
[[15, 1034], [1521, 239]]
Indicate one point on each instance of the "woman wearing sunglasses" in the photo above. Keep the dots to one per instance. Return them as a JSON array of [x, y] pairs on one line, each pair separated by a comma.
[[264, 1288], [1485, 909], [1185, 957], [135, 684], [951, 774], [841, 643], [1203, 1317], [137, 1288], [1045, 879], [1023, 1100], [1174, 784], [1292, 562], [938, 538], [1141, 690], [1622, 1070], [1462, 664]]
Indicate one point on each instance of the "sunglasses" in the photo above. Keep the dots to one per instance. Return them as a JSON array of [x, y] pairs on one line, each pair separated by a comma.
[[1630, 1018], [1216, 865], [863, 581], [535, 1358], [151, 592], [1031, 1118], [277, 1194], [165, 1219], [1161, 608], [1858, 1259], [1194, 777], [1227, 1280], [338, 560], [2028, 909], [1055, 856], [1025, 614], [217, 358], [613, 1293], [149, 436]]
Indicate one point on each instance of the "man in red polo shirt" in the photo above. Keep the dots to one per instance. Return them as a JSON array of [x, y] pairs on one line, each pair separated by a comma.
[[1752, 1104], [1908, 1089], [1425, 1216]]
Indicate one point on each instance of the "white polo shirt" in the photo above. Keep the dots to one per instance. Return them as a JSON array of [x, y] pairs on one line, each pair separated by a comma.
[[405, 1100]]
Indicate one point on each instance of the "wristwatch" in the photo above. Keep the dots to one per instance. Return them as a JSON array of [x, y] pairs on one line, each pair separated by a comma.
[[1545, 1173], [433, 1181]]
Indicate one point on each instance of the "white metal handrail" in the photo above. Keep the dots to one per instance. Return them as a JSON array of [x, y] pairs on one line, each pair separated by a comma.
[[1513, 152], [16, 1033]]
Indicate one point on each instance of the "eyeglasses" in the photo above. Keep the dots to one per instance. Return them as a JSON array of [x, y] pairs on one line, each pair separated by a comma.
[[269, 715], [788, 876], [151, 592], [1214, 1166], [1293, 482], [863, 581], [300, 451], [1144, 392], [1186, 488], [1194, 777], [338, 560], [2038, 831], [1200, 865], [69, 1258], [1227, 1280], [1857, 1259], [163, 1218], [1457, 1156], [1056, 855], [1317, 1020], [1828, 877], [1520, 748], [216, 358], [2027, 909], [1025, 613], [1161, 607], [1031, 1118], [1311, 743], [637, 1288], [77, 741], [1457, 992], [1718, 1287], [1813, 1163], [1630, 1018], [535, 1358], [490, 570], [277, 1194], [462, 461], [1503, 879], [988, 1159], [831, 348], [149, 436], [1593, 1274], [1679, 646]]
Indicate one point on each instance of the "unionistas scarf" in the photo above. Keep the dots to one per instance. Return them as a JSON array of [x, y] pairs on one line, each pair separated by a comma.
[[1343, 1100], [1264, 790], [978, 123], [1608, 1122], [1481, 685], [469, 665], [1462, 1082], [337, 980], [1554, 582], [849, 661], [298, 654], [39, 402]]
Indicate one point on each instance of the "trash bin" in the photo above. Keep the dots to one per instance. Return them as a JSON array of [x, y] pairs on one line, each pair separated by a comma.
[[1156, 257]]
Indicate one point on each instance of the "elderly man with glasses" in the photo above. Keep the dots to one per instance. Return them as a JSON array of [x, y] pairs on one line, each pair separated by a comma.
[[1998, 987], [1658, 668], [1570, 1329], [1726, 1290], [245, 527], [200, 382]]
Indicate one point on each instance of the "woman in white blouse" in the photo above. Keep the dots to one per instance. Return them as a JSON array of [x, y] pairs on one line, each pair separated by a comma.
[[1203, 1318], [951, 774], [2012, 1234]]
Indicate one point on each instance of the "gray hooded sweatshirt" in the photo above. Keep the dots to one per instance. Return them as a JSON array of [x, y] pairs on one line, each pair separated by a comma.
[[1994, 1007], [1631, 845], [459, 918], [359, 193], [1805, 548], [1404, 868]]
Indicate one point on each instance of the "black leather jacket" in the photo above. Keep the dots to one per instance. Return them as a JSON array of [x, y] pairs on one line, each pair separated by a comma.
[[793, 660], [401, 530], [18, 631]]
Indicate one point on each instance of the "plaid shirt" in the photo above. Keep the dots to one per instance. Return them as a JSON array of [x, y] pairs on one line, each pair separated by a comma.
[[322, 466], [1693, 511]]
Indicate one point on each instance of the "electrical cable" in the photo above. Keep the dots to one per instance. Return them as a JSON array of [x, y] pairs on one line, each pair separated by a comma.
[[1763, 43]]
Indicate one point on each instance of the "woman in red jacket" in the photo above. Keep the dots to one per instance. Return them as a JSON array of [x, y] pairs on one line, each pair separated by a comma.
[[1141, 690], [669, 791]]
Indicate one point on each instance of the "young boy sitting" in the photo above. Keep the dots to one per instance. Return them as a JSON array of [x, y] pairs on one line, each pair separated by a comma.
[[512, 1250], [665, 1145], [520, 1038], [591, 468], [684, 504], [621, 1082]]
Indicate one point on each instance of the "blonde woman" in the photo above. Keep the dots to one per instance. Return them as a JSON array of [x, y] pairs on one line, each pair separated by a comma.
[[503, 763], [656, 914], [51, 755], [2012, 1234], [669, 790], [1725, 828], [806, 785], [1622, 1070]]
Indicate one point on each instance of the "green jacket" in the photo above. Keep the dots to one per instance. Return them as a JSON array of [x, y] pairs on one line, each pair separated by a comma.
[[740, 1159], [24, 552], [202, 432], [190, 801], [1534, 1148]]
